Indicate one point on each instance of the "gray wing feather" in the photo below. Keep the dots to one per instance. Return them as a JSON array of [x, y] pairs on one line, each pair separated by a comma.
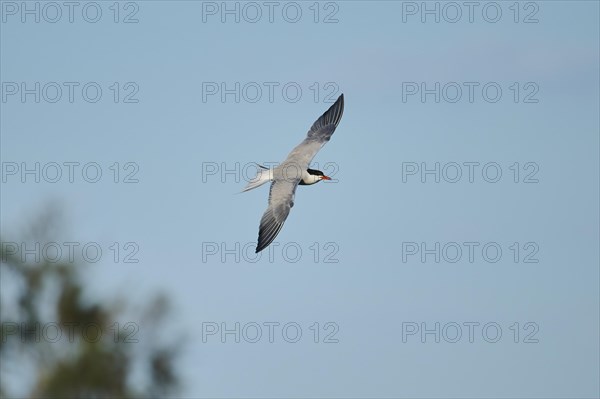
[[324, 127], [319, 134], [281, 200]]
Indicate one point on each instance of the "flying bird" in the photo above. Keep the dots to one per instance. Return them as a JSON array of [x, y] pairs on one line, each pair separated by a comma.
[[292, 172]]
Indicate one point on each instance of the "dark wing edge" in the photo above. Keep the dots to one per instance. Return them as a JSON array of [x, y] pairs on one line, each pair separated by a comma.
[[269, 228], [324, 127], [274, 217]]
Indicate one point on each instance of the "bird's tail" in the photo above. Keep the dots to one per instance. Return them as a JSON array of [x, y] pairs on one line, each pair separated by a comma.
[[263, 176]]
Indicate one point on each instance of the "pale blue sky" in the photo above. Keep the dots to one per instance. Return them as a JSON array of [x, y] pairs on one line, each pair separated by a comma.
[[369, 53]]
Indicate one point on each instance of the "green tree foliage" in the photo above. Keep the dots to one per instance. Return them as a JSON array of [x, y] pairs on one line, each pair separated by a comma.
[[127, 359]]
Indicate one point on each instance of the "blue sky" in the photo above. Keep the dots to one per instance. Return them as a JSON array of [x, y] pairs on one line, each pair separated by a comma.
[[544, 124]]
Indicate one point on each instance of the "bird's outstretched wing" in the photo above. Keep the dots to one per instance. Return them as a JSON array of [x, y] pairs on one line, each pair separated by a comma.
[[317, 136], [281, 200]]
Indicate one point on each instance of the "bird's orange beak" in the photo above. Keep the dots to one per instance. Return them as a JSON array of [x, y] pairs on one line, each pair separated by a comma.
[[325, 177]]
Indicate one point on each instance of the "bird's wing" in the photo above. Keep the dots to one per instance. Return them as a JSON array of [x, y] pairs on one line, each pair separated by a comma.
[[281, 200], [317, 136]]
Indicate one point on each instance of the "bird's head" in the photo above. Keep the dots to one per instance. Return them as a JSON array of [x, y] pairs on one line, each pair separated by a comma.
[[313, 176]]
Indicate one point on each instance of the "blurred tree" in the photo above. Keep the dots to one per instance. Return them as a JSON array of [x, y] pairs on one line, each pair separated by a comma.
[[97, 355]]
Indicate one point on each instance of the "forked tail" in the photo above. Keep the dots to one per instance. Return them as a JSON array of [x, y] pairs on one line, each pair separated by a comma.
[[264, 175]]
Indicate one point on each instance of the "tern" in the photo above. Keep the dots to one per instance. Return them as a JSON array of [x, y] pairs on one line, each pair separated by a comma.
[[292, 172]]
